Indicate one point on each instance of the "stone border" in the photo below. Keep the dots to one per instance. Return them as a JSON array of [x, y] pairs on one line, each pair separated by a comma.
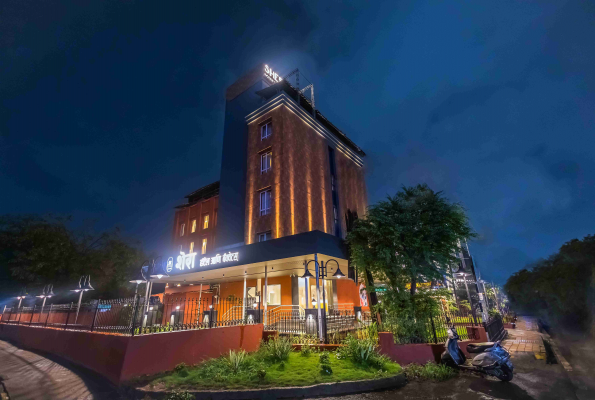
[[322, 389]]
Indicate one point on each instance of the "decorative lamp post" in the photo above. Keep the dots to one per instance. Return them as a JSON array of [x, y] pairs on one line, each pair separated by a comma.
[[21, 296], [46, 294], [85, 287], [157, 271]]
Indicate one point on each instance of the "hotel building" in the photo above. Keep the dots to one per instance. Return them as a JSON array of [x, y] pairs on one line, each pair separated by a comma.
[[288, 179]]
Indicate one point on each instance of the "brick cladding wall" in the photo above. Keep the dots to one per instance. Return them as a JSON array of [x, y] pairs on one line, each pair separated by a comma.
[[186, 215], [299, 179]]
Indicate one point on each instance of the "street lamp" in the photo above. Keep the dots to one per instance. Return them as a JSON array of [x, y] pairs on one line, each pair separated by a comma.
[[21, 296], [47, 293], [85, 287]]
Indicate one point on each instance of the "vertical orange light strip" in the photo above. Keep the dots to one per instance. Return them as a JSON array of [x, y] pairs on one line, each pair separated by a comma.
[[277, 192], [323, 182], [309, 189]]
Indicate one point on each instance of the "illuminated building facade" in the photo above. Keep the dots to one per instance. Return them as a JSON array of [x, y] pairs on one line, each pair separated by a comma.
[[288, 178]]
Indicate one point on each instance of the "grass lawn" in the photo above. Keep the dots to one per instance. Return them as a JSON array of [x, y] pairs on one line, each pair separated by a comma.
[[259, 372]]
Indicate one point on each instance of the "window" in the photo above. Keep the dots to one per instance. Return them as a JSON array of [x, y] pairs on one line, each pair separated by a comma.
[[265, 202], [266, 130], [205, 221], [191, 247], [274, 295], [251, 292], [204, 246], [335, 194], [264, 236], [193, 226], [182, 229], [266, 162]]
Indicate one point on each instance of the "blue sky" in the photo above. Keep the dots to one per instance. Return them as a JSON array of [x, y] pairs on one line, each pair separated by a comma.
[[113, 112]]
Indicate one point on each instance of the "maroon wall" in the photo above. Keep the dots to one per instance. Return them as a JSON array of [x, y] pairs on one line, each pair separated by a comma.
[[422, 353], [120, 358], [150, 354]]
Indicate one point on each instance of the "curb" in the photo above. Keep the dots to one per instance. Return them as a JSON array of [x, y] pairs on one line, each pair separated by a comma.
[[322, 389], [556, 350]]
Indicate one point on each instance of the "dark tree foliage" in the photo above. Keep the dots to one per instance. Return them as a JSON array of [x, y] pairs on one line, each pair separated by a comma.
[[559, 288], [35, 251]]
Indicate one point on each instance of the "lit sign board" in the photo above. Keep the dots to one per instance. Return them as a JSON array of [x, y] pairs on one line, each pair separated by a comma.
[[272, 75], [187, 261], [218, 259]]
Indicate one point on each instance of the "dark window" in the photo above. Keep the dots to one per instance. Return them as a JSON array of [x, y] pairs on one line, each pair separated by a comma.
[[264, 236], [265, 202], [266, 130]]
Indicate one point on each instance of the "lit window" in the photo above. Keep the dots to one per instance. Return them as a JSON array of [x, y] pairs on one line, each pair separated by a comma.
[[204, 246], [191, 247], [265, 162], [205, 221], [274, 295], [182, 229], [265, 202], [266, 131], [263, 237], [193, 226]]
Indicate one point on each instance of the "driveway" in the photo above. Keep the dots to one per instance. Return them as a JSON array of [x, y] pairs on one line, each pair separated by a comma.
[[30, 376]]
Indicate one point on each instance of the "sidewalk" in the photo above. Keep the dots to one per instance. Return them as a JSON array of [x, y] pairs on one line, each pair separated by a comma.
[[27, 375], [525, 339]]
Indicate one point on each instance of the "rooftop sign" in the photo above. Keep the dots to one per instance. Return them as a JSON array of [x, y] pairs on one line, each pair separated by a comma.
[[272, 75]]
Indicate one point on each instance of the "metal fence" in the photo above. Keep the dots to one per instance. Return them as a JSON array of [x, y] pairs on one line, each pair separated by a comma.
[[495, 329]]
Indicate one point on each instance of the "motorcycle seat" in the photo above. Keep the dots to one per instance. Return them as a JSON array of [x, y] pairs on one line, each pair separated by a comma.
[[479, 347]]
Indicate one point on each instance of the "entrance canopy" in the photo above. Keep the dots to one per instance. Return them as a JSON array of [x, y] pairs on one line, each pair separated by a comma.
[[283, 256]]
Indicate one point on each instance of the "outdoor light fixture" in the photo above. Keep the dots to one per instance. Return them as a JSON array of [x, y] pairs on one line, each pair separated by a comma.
[[338, 273], [85, 287], [160, 271], [307, 273], [22, 295], [177, 307]]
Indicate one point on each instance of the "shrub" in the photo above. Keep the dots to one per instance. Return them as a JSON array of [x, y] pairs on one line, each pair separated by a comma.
[[261, 373], [325, 369], [306, 350], [361, 351], [277, 349], [180, 367], [236, 360], [324, 358], [177, 395], [430, 370]]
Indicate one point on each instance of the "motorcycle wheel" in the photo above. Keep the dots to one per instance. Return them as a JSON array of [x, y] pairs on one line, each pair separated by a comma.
[[505, 374]]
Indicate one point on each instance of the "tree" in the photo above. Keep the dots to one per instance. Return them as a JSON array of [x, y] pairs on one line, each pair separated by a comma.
[[411, 236], [560, 288], [35, 251]]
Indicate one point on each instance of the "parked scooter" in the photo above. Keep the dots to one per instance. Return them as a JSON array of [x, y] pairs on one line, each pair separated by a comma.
[[491, 359]]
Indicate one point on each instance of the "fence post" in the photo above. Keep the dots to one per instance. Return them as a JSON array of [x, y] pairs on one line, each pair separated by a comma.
[[211, 314], [32, 314], [95, 315], [434, 330], [134, 314], [68, 316], [48, 317]]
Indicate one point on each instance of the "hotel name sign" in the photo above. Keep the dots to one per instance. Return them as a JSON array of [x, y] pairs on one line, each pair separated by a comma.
[[272, 75], [188, 261]]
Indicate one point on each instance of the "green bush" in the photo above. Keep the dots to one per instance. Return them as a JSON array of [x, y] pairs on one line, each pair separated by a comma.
[[236, 360], [361, 351], [325, 358], [277, 349], [325, 369], [306, 350], [180, 367], [431, 371]]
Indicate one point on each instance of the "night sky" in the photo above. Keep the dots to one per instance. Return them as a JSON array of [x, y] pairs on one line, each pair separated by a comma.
[[112, 113]]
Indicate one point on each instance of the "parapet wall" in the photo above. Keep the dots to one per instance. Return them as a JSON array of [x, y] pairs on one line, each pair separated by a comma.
[[120, 358]]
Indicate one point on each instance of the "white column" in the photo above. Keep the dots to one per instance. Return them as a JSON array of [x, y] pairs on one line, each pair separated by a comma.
[[318, 298], [264, 297], [244, 301]]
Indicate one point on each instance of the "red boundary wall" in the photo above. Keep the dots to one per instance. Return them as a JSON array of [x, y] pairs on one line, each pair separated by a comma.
[[120, 358], [422, 353]]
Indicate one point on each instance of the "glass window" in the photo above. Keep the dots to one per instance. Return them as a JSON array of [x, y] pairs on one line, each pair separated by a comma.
[[251, 292], [263, 237], [191, 247], [193, 226], [265, 162], [182, 229], [265, 202], [266, 131], [204, 246], [205, 221], [274, 295]]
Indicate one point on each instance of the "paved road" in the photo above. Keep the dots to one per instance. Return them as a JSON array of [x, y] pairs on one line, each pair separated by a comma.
[[579, 352], [31, 376], [533, 379]]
